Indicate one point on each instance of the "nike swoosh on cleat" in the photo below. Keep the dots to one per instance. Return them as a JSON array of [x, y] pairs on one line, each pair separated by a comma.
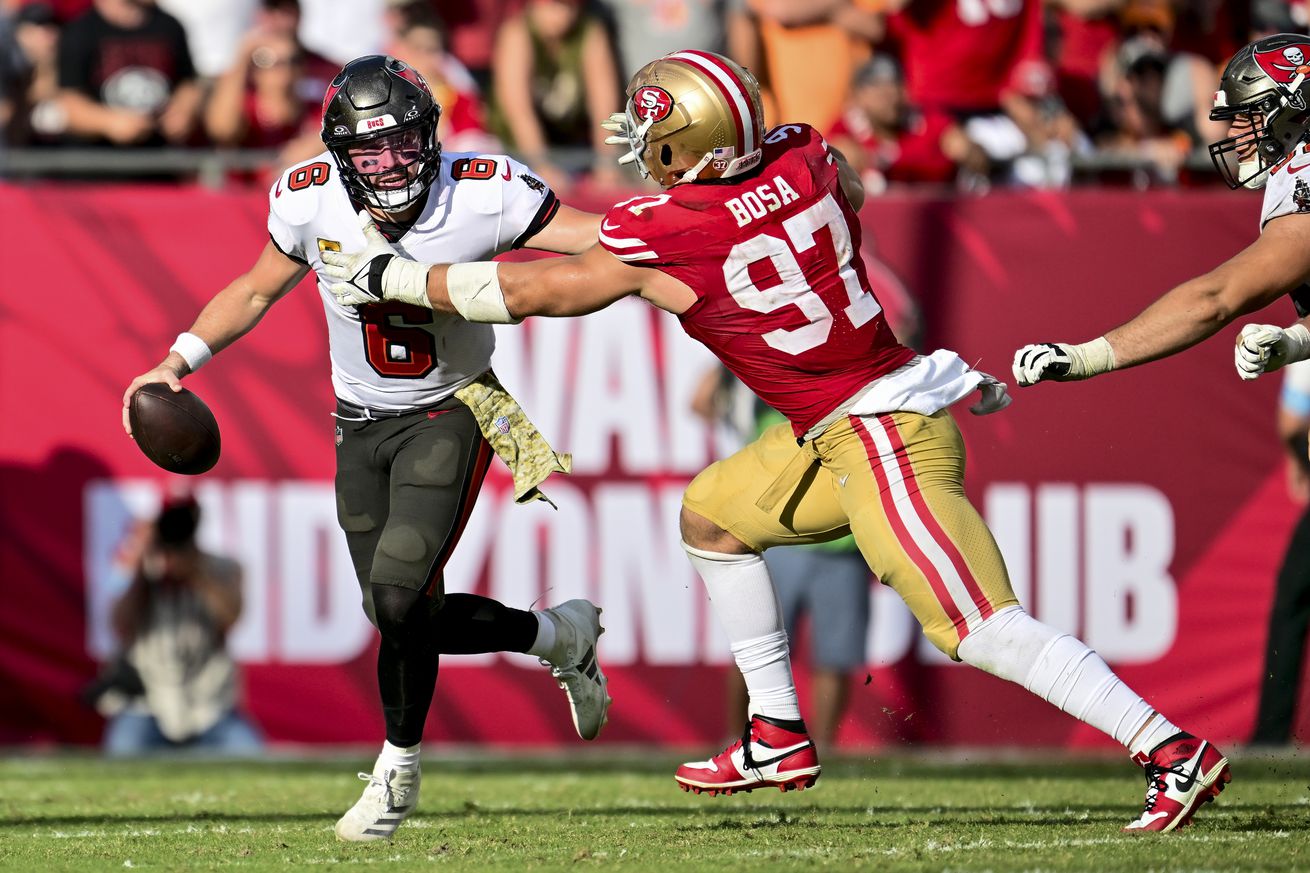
[[782, 753], [704, 765], [1184, 783], [1147, 819]]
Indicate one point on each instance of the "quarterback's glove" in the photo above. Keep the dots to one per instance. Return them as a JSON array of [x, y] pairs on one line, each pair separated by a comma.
[[1263, 348], [376, 273], [995, 397], [1060, 362], [618, 124]]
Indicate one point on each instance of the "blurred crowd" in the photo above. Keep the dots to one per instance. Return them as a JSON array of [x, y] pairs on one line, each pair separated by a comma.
[[969, 93]]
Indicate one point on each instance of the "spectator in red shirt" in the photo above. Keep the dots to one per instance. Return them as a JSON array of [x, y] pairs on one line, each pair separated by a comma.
[[472, 26], [1086, 33], [257, 103], [887, 140], [960, 55]]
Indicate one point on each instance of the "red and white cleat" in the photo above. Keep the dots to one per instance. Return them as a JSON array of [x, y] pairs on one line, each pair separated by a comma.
[[1181, 774], [770, 753]]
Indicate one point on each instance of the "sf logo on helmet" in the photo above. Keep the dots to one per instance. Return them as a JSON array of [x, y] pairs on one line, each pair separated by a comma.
[[652, 103]]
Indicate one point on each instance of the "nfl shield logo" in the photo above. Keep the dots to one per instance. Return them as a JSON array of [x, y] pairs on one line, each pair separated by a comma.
[[502, 424], [341, 436]]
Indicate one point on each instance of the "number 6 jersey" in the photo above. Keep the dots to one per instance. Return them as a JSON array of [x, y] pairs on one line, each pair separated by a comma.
[[393, 356]]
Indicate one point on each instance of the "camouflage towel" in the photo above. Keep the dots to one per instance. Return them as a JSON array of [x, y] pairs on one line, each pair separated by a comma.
[[513, 437]]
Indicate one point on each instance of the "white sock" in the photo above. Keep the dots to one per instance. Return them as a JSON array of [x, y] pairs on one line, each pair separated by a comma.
[[398, 757], [742, 594], [765, 663], [545, 641], [1062, 670]]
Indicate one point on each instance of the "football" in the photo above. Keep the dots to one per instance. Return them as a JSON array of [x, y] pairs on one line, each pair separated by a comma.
[[175, 430]]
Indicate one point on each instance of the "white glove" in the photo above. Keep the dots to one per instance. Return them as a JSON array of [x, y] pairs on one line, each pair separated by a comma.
[[1041, 361], [1060, 362], [995, 397], [1263, 348], [618, 123], [377, 273]]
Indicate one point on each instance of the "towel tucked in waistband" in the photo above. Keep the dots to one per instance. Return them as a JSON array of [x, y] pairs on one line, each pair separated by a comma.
[[513, 437]]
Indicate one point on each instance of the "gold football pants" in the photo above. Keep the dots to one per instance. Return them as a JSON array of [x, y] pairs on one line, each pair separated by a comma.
[[896, 482]]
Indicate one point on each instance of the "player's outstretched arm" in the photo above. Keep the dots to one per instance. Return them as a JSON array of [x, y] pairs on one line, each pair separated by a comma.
[[1273, 265], [570, 232], [225, 318], [494, 293], [508, 293]]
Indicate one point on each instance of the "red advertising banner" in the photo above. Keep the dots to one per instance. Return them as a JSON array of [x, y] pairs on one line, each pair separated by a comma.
[[1144, 511]]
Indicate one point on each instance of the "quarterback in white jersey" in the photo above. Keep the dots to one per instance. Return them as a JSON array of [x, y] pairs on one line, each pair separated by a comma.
[[411, 454], [1262, 95], [396, 358]]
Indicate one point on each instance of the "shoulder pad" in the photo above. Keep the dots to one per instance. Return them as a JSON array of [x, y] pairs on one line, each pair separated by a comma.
[[297, 193], [644, 228]]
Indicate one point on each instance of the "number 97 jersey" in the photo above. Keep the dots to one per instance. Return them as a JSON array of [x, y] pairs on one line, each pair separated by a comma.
[[782, 295]]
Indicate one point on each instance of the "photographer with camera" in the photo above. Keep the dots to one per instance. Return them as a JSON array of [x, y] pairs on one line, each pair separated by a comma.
[[175, 686]]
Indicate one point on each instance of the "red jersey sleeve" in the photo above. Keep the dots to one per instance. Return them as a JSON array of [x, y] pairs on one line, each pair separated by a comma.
[[652, 230]]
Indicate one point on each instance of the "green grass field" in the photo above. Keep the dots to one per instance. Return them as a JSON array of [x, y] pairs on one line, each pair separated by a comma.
[[902, 814]]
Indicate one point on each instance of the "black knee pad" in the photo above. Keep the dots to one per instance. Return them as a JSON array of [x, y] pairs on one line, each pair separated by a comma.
[[401, 612]]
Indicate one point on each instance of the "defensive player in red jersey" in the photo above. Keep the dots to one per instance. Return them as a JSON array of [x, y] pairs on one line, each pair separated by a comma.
[[752, 245]]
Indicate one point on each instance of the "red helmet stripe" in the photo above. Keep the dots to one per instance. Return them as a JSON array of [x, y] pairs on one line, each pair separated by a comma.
[[331, 92], [409, 74], [734, 91]]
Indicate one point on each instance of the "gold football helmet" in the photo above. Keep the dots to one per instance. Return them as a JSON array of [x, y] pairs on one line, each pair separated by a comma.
[[692, 115]]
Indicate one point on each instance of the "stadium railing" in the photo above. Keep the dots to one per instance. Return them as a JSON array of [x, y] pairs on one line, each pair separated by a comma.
[[214, 167]]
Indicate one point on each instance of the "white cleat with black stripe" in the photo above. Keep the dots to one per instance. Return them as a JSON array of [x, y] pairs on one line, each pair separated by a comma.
[[388, 800], [573, 664]]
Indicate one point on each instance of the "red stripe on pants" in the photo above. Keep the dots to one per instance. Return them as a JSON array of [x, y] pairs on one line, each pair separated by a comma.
[[893, 513], [930, 521]]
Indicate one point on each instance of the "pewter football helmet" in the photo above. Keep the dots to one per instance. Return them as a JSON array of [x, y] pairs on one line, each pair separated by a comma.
[[1266, 83], [380, 102]]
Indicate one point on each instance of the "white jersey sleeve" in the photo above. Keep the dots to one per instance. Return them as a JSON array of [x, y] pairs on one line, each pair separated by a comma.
[[501, 186], [293, 201]]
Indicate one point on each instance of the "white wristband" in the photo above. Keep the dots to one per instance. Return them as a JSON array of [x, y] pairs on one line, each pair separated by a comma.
[[193, 350], [474, 290], [406, 281], [1091, 358]]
